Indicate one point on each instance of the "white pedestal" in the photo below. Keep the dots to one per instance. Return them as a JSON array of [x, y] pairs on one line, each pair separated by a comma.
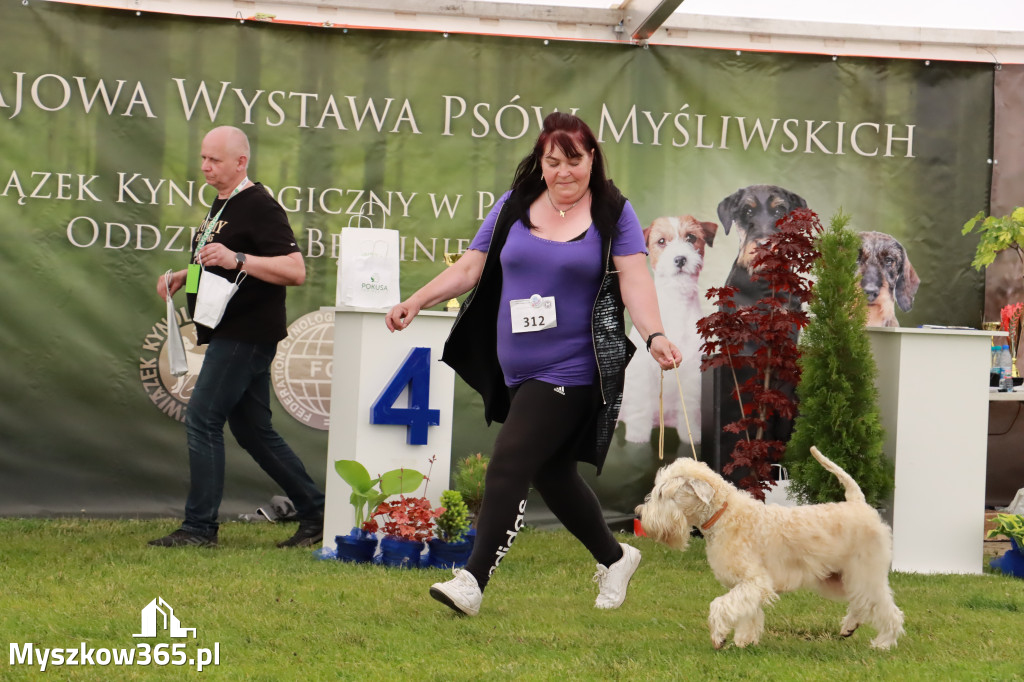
[[933, 396], [366, 357]]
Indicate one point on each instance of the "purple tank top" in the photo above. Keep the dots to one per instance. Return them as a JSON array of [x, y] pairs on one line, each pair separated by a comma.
[[569, 271]]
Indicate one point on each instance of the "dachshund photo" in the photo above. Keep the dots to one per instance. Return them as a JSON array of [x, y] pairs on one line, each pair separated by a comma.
[[886, 276]]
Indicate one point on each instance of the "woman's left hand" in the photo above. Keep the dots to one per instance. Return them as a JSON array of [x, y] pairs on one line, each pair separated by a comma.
[[665, 353]]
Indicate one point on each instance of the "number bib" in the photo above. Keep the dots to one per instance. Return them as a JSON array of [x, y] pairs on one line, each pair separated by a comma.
[[533, 314]]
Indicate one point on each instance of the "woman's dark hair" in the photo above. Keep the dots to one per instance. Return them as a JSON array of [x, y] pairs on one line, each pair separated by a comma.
[[570, 135]]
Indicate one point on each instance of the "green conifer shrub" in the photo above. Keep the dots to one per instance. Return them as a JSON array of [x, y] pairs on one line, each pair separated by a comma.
[[453, 522], [837, 397]]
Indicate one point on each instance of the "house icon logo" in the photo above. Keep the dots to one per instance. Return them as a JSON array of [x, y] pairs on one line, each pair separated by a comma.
[[158, 611]]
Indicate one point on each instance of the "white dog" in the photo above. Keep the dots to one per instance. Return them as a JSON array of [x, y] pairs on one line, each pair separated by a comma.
[[676, 246], [841, 550]]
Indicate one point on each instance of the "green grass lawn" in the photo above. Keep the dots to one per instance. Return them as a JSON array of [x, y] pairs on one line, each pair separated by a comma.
[[277, 614]]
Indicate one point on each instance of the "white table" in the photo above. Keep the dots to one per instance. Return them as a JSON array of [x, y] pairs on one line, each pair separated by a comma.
[[933, 396]]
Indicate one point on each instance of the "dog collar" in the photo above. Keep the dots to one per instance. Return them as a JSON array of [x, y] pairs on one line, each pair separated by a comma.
[[714, 517]]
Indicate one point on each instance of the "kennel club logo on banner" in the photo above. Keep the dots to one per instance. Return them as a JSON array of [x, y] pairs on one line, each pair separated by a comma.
[[157, 619], [301, 372], [166, 391], [302, 369]]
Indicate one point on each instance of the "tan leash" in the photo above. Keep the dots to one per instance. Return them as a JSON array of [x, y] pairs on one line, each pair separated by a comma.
[[661, 415]]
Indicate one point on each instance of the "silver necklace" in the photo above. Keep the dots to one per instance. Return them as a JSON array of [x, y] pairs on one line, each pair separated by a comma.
[[562, 213]]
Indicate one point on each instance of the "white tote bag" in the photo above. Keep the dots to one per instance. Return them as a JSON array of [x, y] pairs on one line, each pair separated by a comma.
[[368, 266], [177, 363], [213, 296]]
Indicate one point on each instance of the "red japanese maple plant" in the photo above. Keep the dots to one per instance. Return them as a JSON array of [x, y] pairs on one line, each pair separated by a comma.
[[408, 518], [771, 324]]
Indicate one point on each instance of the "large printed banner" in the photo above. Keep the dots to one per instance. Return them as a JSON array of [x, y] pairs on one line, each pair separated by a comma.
[[101, 117]]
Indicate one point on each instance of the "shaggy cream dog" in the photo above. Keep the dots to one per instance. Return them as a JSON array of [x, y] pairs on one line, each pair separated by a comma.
[[841, 550]]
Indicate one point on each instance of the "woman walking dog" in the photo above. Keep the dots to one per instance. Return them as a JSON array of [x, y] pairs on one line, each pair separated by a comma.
[[542, 339]]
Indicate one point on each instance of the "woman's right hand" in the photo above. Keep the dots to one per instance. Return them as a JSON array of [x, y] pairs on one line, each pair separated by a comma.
[[399, 317]]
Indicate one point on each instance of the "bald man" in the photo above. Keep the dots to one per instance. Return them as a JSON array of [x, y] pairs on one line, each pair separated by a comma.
[[244, 230]]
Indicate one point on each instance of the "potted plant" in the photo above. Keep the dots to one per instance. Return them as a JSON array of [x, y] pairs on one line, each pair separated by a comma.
[[452, 542], [763, 382], [1012, 526], [470, 474], [367, 495], [837, 394], [997, 234], [406, 523]]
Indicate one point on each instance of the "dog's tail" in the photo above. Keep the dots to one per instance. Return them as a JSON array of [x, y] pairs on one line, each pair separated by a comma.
[[853, 491]]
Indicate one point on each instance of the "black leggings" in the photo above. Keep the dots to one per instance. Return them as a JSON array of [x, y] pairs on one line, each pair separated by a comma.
[[536, 445]]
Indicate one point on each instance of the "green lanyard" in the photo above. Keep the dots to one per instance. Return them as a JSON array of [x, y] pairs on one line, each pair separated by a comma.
[[194, 269], [210, 223]]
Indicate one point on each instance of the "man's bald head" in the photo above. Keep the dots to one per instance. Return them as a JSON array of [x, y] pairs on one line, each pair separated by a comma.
[[225, 156], [232, 139]]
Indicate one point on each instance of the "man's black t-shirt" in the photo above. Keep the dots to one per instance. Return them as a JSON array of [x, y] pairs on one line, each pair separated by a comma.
[[252, 223]]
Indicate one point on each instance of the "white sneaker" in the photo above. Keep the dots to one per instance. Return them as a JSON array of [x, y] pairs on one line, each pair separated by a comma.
[[461, 593], [614, 579]]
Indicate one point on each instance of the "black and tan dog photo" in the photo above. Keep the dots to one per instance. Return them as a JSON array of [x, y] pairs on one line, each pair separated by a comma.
[[887, 278], [753, 211]]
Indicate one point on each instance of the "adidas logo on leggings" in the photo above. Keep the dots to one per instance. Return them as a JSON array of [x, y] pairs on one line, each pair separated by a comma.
[[560, 390]]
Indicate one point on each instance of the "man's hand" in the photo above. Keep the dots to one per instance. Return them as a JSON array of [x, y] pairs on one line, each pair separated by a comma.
[[218, 255], [177, 282]]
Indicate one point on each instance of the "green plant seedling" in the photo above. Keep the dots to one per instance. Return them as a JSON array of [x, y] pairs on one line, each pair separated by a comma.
[[366, 495]]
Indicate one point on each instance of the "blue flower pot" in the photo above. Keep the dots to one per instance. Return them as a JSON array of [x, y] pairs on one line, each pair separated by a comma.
[[399, 552], [441, 554], [1012, 562], [358, 546]]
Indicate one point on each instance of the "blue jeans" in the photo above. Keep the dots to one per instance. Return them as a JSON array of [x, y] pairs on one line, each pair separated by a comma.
[[234, 387]]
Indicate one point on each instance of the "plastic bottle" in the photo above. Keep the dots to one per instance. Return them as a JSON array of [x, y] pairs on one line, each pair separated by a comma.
[[995, 371], [1006, 367]]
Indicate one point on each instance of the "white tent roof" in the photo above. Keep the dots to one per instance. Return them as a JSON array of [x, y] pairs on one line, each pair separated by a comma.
[[982, 30], [992, 15]]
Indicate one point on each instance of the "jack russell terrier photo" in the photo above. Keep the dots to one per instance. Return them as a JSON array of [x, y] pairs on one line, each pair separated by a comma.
[[676, 246]]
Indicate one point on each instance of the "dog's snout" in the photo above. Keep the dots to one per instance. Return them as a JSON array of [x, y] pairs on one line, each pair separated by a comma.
[[871, 286], [680, 262]]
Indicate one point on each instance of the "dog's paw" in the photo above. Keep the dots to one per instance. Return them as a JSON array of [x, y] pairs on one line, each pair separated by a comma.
[[848, 626], [719, 637], [637, 435], [882, 644], [742, 641]]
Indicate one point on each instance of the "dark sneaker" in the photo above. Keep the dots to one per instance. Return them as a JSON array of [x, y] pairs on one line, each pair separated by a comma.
[[183, 538], [309, 533]]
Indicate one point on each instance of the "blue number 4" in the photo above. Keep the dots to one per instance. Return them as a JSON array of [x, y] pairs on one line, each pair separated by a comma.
[[414, 373]]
